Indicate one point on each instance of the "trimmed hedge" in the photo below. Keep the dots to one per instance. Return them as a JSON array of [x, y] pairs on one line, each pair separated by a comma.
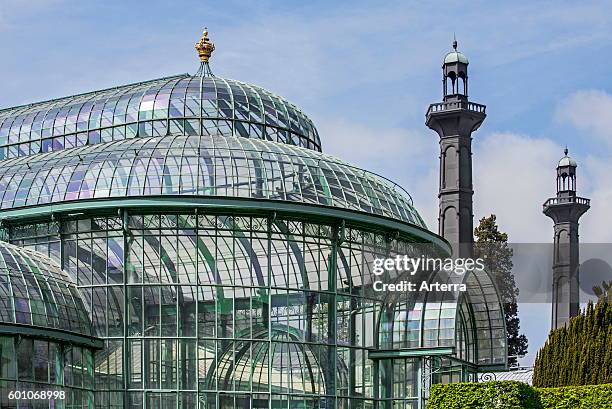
[[498, 395], [576, 397], [518, 395]]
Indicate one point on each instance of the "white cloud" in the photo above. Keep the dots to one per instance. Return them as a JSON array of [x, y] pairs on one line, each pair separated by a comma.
[[368, 145], [513, 176], [590, 111], [407, 157], [595, 182]]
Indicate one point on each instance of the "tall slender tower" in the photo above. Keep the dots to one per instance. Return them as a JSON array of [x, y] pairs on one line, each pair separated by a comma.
[[454, 120], [565, 209]]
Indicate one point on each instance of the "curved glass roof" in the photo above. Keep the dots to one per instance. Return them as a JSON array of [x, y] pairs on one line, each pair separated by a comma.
[[472, 321], [200, 166], [35, 291], [286, 366], [183, 104]]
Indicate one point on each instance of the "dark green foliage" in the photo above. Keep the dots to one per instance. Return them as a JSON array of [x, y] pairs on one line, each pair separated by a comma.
[[517, 395], [492, 246], [578, 354]]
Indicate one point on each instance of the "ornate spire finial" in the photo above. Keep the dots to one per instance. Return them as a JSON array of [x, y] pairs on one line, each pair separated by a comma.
[[454, 41], [205, 47], [566, 151]]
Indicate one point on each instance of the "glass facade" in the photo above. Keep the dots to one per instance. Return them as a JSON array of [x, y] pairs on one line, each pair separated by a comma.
[[213, 257]]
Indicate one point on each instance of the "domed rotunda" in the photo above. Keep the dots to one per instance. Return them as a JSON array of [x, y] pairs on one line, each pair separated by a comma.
[[184, 242]]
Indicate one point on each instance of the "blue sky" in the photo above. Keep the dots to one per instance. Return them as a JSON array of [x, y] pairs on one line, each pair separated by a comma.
[[365, 72]]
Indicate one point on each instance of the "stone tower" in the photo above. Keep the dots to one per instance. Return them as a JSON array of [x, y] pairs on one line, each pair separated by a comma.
[[454, 119], [565, 209]]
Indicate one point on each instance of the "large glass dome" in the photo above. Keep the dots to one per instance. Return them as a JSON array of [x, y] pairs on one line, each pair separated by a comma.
[[212, 166], [178, 105]]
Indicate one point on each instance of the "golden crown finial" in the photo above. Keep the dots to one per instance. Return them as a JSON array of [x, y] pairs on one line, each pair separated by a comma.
[[204, 47]]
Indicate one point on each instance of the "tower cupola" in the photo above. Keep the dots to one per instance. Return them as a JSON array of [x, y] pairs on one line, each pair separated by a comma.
[[566, 176], [455, 74]]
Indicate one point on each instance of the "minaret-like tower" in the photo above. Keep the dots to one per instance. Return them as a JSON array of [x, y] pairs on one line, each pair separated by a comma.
[[454, 120], [565, 209]]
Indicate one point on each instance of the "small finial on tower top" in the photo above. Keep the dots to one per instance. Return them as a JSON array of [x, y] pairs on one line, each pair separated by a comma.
[[454, 42], [566, 151], [204, 47]]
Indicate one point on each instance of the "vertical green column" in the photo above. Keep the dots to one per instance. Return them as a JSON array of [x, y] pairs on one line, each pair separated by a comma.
[[88, 358], [337, 237], [268, 310], [126, 357], [384, 368], [59, 374], [352, 342]]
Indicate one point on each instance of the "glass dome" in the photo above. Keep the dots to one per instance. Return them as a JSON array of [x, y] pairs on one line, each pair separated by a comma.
[[470, 321], [34, 291], [182, 104], [212, 166], [285, 366]]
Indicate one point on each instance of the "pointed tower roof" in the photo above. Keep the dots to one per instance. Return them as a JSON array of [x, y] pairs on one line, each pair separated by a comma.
[[566, 160], [455, 56]]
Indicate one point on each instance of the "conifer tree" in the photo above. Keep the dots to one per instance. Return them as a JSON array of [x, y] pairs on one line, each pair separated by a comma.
[[579, 353], [492, 246]]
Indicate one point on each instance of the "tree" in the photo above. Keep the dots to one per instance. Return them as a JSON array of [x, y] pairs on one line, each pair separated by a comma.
[[492, 246], [579, 353]]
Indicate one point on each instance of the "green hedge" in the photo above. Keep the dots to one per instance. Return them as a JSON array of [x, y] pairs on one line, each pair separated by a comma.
[[576, 397], [517, 395], [498, 395]]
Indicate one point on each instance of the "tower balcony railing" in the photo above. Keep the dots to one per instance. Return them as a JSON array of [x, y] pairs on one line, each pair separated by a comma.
[[565, 200], [452, 105]]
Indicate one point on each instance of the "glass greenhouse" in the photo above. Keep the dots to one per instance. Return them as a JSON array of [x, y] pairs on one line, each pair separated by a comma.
[[184, 243]]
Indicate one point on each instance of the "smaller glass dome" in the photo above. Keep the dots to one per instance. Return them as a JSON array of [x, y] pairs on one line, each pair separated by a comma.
[[455, 56], [35, 291], [177, 105], [471, 321], [287, 366]]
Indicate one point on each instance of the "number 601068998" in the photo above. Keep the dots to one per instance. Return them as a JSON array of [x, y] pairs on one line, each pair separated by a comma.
[[36, 395]]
